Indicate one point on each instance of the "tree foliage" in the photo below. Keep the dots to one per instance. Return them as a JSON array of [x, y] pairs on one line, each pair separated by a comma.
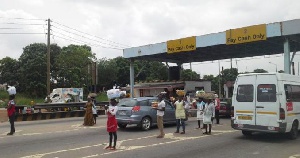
[[9, 71], [260, 71], [188, 74], [73, 66], [33, 70]]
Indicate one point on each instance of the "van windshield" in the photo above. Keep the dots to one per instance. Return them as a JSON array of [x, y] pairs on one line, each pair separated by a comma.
[[266, 93], [244, 93]]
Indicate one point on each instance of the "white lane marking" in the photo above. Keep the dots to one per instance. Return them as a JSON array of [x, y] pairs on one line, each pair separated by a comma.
[[33, 134], [295, 156], [55, 152], [127, 148], [90, 156], [7, 132], [81, 126]]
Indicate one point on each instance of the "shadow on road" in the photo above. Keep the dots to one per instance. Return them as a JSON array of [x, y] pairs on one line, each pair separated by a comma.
[[266, 137]]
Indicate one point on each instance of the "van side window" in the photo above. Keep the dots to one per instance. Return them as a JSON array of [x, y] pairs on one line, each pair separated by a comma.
[[292, 93], [266, 93], [244, 93]]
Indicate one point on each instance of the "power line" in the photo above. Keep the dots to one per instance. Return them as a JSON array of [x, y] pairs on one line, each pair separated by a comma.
[[91, 35], [21, 33], [86, 37], [14, 23], [20, 18], [7, 28], [83, 42]]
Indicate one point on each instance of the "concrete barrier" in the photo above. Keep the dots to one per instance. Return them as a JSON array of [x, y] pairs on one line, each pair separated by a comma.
[[53, 115]]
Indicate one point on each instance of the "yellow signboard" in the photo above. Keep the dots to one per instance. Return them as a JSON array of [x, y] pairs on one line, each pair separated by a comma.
[[246, 34], [181, 45]]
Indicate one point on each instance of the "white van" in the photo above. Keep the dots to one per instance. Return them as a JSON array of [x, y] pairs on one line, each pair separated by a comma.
[[266, 102]]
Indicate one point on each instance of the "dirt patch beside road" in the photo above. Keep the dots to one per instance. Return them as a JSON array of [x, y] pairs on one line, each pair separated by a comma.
[[3, 115]]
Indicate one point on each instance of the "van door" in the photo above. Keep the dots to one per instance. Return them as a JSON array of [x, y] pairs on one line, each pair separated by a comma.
[[267, 104], [244, 106]]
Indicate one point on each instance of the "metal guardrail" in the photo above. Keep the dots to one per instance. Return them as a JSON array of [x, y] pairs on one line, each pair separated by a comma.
[[66, 105]]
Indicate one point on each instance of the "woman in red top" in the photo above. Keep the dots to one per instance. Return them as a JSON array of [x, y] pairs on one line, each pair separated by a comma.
[[112, 123], [11, 110]]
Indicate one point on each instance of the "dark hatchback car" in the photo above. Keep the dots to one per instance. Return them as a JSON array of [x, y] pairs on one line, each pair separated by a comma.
[[225, 109], [138, 111]]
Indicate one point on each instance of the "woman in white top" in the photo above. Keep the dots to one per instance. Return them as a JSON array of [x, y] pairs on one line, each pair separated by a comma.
[[209, 113], [200, 108]]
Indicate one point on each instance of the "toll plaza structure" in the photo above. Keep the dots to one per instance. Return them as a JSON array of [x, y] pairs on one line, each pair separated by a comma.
[[257, 40]]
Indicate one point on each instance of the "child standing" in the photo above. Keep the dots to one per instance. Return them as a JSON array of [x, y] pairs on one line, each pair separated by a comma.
[[112, 123]]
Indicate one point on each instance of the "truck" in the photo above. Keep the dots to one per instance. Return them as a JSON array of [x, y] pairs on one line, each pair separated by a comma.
[[65, 95]]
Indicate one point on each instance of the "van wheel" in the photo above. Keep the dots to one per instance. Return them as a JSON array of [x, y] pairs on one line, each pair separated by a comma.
[[122, 125], [146, 123], [293, 134], [246, 133]]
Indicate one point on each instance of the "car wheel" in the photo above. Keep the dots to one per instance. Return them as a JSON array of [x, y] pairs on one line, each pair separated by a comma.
[[246, 133], [293, 134], [122, 125], [146, 123]]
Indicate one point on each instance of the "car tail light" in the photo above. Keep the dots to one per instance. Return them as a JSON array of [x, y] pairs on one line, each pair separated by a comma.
[[136, 108], [282, 114]]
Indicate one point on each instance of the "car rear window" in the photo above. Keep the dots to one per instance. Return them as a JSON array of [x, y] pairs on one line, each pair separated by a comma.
[[127, 102], [244, 93], [266, 93]]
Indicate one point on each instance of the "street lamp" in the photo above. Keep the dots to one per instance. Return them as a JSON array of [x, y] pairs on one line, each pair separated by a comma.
[[274, 64]]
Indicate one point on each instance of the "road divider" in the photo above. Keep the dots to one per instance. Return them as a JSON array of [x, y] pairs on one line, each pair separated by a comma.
[[52, 115]]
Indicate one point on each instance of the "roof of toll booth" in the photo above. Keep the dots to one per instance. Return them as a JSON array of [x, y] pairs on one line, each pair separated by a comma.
[[256, 40]]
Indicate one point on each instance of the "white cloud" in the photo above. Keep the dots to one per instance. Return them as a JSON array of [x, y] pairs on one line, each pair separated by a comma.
[[141, 22]]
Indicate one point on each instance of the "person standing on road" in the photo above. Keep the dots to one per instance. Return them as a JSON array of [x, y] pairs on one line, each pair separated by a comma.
[[160, 114], [94, 109], [217, 109], [200, 108], [209, 114], [180, 115], [88, 116], [11, 110], [112, 124]]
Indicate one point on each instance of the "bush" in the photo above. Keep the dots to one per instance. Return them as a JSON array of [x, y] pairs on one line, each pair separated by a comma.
[[20, 99]]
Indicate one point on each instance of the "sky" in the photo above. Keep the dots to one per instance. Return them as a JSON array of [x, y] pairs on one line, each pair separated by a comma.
[[109, 26]]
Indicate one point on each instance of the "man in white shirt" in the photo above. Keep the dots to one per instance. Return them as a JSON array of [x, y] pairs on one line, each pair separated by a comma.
[[160, 114]]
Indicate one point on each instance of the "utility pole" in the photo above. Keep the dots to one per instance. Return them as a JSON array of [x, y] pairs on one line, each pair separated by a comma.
[[219, 81], [48, 59]]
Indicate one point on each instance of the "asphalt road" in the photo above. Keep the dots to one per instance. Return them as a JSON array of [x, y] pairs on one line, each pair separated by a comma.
[[67, 138]]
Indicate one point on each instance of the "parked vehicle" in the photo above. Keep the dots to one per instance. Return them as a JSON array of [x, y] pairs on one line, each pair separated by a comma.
[[267, 102], [138, 111], [65, 95], [225, 109]]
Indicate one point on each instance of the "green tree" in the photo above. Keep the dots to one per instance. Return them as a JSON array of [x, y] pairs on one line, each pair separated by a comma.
[[33, 70], [229, 74], [73, 63], [260, 71], [107, 73], [214, 82], [9, 71], [122, 70], [150, 70], [188, 74]]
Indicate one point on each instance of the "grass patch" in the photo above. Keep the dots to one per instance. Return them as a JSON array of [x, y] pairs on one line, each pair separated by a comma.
[[20, 99], [102, 96]]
